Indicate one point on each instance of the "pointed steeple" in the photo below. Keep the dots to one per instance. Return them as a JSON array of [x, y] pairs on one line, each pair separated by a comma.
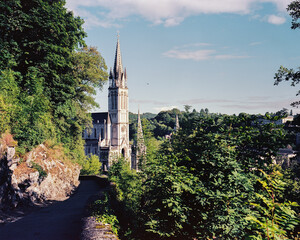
[[140, 136], [140, 147], [176, 127], [118, 67], [110, 73]]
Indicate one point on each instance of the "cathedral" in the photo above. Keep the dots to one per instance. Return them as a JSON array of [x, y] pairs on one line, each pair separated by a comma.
[[109, 137]]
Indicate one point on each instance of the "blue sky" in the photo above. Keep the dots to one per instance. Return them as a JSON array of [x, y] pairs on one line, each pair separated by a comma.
[[215, 54]]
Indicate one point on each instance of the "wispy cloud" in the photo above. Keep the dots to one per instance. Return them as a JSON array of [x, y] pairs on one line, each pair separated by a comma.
[[93, 21], [227, 56], [159, 109], [203, 100], [255, 43], [252, 103], [277, 20], [198, 55], [193, 55], [168, 12]]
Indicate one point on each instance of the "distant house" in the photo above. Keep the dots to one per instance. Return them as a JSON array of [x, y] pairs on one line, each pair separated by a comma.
[[263, 121], [285, 155]]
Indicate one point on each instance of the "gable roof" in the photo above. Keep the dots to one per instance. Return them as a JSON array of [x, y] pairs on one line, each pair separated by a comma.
[[99, 117]]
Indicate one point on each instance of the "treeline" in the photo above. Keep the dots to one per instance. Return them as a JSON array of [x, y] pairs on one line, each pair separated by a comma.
[[48, 75], [162, 124], [214, 179]]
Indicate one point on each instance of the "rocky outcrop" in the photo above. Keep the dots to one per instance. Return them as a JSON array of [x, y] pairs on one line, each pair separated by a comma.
[[43, 174]]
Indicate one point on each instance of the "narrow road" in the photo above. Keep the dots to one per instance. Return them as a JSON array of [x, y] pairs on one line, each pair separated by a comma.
[[59, 221]]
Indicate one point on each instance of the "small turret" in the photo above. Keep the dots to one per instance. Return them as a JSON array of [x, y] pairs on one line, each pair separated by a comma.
[[176, 127], [140, 136], [111, 76], [140, 145]]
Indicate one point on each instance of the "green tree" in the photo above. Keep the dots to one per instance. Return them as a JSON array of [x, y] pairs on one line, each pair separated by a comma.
[[91, 166], [285, 74], [9, 93], [90, 74], [52, 76], [128, 193], [271, 218], [202, 182], [196, 189]]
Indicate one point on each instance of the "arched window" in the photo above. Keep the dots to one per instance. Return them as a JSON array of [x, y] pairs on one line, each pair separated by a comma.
[[113, 100], [123, 100], [116, 100]]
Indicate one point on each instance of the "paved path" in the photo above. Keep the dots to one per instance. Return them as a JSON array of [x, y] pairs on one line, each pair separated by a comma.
[[59, 221]]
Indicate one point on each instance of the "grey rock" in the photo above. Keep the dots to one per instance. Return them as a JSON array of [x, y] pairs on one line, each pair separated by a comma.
[[21, 183]]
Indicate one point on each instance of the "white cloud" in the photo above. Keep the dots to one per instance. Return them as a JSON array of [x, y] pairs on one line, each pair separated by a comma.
[[193, 55], [159, 109], [277, 20], [199, 55], [228, 56], [168, 12]]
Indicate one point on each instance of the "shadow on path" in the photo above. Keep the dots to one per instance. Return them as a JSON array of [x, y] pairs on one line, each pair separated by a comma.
[[59, 221]]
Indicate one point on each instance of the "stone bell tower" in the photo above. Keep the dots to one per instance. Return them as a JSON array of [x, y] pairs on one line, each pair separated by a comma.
[[118, 107]]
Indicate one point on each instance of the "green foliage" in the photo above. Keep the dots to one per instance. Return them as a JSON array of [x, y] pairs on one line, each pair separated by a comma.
[[91, 166], [128, 191], [42, 173], [102, 210], [48, 77], [196, 189], [270, 218], [9, 92], [285, 74], [111, 220], [294, 11], [128, 184], [202, 182]]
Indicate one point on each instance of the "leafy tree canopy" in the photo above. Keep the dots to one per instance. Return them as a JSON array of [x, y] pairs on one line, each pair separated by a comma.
[[285, 74], [48, 75]]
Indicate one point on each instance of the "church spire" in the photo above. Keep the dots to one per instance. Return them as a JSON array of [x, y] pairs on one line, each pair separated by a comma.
[[140, 136], [140, 146], [176, 127], [118, 67]]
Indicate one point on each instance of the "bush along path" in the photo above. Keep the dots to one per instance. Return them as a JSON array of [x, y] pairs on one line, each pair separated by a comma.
[[100, 221]]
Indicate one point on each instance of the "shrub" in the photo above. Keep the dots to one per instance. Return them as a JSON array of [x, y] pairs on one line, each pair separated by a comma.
[[91, 166]]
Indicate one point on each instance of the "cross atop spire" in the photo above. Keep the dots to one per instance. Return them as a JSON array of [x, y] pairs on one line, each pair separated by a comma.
[[118, 67]]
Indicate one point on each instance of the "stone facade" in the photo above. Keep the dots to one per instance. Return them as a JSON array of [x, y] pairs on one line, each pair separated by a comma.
[[109, 137]]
